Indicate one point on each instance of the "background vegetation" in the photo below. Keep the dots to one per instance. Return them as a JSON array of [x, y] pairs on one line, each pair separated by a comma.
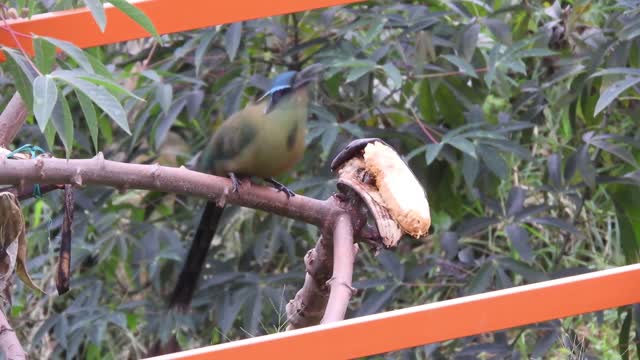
[[520, 119]]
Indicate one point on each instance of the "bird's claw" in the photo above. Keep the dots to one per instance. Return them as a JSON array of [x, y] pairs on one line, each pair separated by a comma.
[[281, 187]]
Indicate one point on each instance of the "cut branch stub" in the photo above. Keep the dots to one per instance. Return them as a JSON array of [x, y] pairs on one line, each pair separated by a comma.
[[395, 198]]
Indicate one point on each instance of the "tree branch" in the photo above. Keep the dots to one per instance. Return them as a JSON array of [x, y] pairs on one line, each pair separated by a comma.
[[9, 343], [326, 286], [12, 119], [344, 252], [124, 176]]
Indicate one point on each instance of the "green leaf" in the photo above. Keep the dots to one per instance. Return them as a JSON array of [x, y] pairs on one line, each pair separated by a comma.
[[45, 96], [138, 16], [73, 51], [50, 135], [469, 41], [90, 116], [520, 240], [463, 145], [113, 87], [97, 10], [63, 124], [393, 73], [617, 71], [462, 65], [45, 55], [612, 92], [432, 152], [630, 30], [22, 74], [625, 198], [164, 96], [99, 95], [426, 102], [482, 279], [623, 337], [203, 45], [232, 39], [356, 73], [501, 30]]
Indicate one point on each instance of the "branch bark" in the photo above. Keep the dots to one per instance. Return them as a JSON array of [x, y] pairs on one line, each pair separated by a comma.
[[327, 286], [12, 119], [9, 343], [124, 176], [344, 252]]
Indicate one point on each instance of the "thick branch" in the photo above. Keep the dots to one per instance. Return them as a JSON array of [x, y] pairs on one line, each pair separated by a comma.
[[12, 119], [344, 252], [9, 343], [98, 171], [326, 291]]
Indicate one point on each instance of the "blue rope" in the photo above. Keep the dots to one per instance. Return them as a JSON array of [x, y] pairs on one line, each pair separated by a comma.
[[34, 151]]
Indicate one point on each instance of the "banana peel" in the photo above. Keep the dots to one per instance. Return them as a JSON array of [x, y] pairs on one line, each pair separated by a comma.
[[12, 234]]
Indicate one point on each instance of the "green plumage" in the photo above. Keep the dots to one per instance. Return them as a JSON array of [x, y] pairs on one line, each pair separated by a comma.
[[253, 143]]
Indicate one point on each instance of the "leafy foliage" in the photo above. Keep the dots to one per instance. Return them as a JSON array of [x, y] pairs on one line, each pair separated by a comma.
[[518, 118]]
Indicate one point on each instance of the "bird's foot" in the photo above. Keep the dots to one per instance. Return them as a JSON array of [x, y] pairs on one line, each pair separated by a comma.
[[235, 183], [280, 187]]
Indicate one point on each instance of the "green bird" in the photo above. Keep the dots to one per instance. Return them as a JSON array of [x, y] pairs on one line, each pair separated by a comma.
[[265, 139]]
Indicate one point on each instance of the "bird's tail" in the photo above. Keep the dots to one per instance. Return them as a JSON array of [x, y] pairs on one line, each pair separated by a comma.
[[190, 274]]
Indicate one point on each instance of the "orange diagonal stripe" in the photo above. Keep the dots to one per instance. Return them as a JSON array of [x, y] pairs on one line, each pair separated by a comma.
[[439, 321], [168, 16]]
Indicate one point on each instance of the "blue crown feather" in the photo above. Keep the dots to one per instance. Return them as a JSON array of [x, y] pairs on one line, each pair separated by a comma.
[[281, 82]]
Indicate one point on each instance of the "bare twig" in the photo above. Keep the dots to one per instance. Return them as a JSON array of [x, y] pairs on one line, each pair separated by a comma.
[[12, 119]]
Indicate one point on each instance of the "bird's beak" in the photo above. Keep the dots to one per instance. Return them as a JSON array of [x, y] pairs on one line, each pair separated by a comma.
[[308, 74]]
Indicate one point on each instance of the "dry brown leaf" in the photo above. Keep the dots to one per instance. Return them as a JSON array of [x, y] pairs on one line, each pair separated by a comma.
[[13, 243]]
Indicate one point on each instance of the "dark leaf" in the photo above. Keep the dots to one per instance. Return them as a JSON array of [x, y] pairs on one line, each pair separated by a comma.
[[470, 167], [493, 161], [529, 211], [469, 41], [376, 301], [391, 264], [482, 279], [520, 240], [551, 221], [167, 121], [570, 167], [90, 117], [623, 337], [501, 30], [449, 242], [530, 274], [612, 92], [63, 123], [474, 225], [515, 201], [544, 343], [232, 39], [554, 164], [462, 65], [586, 167]]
